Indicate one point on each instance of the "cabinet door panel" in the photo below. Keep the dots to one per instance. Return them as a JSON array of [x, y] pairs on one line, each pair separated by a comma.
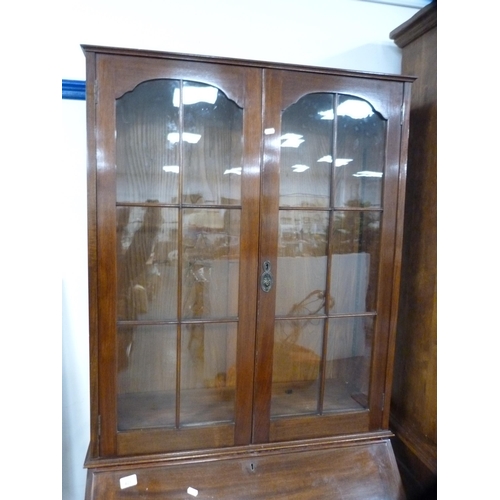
[[145, 267], [360, 153], [146, 377], [306, 152], [330, 180], [296, 367], [347, 363], [179, 211], [146, 154], [210, 263], [213, 149], [208, 373], [354, 261]]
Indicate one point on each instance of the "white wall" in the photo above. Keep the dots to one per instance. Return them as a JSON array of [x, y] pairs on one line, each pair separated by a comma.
[[348, 34], [75, 359]]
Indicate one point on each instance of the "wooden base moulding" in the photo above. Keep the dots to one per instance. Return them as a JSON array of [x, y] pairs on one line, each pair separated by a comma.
[[346, 468]]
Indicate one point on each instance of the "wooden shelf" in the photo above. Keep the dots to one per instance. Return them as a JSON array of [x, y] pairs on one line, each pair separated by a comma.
[[216, 405], [157, 409]]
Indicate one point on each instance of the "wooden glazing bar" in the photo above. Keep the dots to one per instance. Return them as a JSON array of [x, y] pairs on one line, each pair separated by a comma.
[[179, 261], [329, 261], [327, 209], [177, 205], [175, 322], [325, 316]]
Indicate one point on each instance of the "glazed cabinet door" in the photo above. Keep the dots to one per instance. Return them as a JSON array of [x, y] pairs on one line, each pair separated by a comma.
[[177, 200], [328, 226]]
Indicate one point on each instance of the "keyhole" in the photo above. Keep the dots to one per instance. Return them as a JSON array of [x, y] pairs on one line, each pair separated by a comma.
[[266, 280]]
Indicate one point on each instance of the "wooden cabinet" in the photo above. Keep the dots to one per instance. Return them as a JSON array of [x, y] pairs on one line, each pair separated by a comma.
[[245, 225], [414, 395]]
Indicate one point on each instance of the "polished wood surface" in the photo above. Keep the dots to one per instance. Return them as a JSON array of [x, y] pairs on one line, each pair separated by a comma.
[[414, 395], [231, 313], [118, 76], [361, 471], [281, 93]]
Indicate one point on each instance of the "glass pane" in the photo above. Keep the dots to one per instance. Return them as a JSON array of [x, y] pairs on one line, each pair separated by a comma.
[[348, 363], [360, 154], [356, 247], [210, 273], [147, 265], [301, 274], [146, 376], [208, 373], [306, 152], [296, 365], [147, 164], [212, 146]]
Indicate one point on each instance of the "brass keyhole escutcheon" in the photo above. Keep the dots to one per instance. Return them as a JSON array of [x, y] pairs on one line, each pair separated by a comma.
[[266, 279]]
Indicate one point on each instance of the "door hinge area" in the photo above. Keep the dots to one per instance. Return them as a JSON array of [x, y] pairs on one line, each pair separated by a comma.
[[99, 425], [402, 117], [383, 401]]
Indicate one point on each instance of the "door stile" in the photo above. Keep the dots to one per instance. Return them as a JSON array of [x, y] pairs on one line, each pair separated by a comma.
[[268, 249], [250, 214], [387, 292], [403, 158], [106, 260]]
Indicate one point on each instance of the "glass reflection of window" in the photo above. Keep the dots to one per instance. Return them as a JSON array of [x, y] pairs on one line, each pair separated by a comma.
[[305, 139], [361, 135], [295, 137], [145, 117], [212, 145], [168, 127]]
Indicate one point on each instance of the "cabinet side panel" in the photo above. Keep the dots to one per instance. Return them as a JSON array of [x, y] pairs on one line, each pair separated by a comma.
[[92, 251]]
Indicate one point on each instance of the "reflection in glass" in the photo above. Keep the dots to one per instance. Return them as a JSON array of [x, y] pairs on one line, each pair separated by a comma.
[[144, 119], [208, 372], [152, 151], [146, 263], [348, 363], [146, 376], [328, 256], [179, 144], [210, 262], [356, 247], [296, 365], [360, 138], [306, 145], [301, 262], [213, 155]]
